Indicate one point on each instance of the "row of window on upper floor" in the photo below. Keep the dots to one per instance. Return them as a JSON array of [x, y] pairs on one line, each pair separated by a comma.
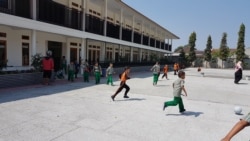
[[58, 14]]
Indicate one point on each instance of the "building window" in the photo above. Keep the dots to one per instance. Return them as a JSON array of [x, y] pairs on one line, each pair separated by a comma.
[[109, 54], [3, 35], [24, 37], [25, 54], [2, 51], [4, 4]]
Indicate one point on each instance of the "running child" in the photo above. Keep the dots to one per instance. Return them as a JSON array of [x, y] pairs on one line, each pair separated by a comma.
[[178, 87], [156, 71], [165, 72], [124, 77]]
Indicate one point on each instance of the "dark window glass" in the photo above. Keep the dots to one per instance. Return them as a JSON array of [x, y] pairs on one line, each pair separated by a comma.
[[4, 3], [25, 54], [2, 51]]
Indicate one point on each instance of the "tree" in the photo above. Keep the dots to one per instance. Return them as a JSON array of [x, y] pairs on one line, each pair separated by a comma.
[[224, 50], [240, 51], [182, 57], [207, 51], [182, 53], [192, 54], [178, 49]]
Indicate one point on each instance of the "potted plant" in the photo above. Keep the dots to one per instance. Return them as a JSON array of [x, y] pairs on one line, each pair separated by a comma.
[[36, 62]]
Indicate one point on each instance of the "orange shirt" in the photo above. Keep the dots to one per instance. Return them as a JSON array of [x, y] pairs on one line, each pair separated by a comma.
[[165, 69], [124, 77], [175, 66]]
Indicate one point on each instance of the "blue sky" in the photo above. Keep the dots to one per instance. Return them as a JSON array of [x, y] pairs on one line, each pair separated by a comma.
[[205, 17]]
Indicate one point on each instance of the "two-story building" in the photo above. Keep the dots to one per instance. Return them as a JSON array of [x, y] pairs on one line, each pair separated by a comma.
[[96, 30]]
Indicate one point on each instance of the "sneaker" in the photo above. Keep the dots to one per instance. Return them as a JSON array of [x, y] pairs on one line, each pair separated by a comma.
[[113, 98], [125, 96], [182, 110], [164, 107]]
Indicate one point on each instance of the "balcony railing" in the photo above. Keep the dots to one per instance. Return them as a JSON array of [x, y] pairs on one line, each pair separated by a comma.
[[113, 30], [20, 8], [137, 38], [94, 24], [55, 13], [126, 34]]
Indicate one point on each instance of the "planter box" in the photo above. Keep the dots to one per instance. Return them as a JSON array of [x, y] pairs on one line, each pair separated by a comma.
[[20, 79]]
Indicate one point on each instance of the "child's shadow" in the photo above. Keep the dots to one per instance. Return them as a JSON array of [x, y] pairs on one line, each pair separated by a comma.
[[132, 99], [187, 113], [243, 83]]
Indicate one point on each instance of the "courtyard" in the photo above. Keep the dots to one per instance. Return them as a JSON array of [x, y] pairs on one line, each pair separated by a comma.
[[81, 111]]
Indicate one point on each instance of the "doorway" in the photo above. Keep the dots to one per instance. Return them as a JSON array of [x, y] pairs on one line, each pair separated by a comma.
[[56, 48], [73, 54]]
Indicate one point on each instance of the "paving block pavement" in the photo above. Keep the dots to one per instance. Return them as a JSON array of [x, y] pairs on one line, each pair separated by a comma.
[[78, 111]]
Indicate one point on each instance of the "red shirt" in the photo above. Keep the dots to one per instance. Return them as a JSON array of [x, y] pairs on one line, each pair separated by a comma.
[[48, 64]]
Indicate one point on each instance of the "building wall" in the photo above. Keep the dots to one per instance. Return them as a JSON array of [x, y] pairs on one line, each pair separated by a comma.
[[14, 44]]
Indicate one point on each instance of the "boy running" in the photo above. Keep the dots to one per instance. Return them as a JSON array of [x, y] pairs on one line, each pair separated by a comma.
[[165, 72], [124, 77], [178, 86], [156, 71]]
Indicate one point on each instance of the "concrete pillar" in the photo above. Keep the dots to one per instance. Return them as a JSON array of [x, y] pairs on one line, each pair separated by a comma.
[[68, 50], [105, 17], [168, 45], [121, 23], [142, 32], [33, 38], [113, 52], [131, 54], [103, 52], [133, 29], [83, 49], [84, 4], [140, 54], [34, 9]]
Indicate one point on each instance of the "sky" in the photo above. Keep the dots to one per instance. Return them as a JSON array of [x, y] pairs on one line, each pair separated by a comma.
[[204, 17]]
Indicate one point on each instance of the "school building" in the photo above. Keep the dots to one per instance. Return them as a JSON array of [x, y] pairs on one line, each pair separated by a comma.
[[96, 30]]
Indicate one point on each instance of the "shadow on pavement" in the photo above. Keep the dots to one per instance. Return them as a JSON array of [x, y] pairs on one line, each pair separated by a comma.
[[242, 83], [19, 93], [187, 113], [161, 85], [56, 87], [132, 99]]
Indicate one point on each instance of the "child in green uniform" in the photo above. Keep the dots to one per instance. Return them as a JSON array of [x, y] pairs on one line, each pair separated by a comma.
[[64, 65], [178, 86], [71, 71], [156, 72], [85, 67], [109, 73], [244, 122], [98, 72]]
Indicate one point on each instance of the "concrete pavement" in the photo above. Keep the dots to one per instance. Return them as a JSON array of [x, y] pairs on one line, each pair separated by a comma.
[[81, 111]]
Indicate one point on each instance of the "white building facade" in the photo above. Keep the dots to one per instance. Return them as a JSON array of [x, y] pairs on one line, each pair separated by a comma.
[[93, 30]]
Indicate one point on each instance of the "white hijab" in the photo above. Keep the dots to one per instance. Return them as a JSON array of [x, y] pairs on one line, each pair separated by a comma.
[[238, 66]]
